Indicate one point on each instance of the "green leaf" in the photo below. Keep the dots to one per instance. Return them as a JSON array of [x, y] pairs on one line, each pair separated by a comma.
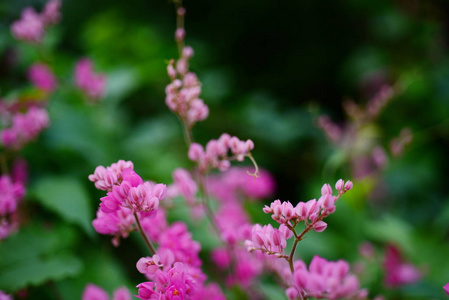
[[37, 270], [35, 255], [67, 197]]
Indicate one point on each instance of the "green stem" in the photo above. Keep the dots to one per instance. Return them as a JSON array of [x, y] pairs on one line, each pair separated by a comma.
[[144, 236]]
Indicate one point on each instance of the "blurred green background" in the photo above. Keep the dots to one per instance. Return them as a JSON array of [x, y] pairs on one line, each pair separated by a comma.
[[268, 69]]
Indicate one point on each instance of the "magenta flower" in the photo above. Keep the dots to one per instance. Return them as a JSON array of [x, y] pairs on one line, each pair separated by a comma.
[[397, 272], [93, 85], [42, 77], [51, 13], [93, 292], [324, 279], [446, 288], [215, 155], [25, 127]]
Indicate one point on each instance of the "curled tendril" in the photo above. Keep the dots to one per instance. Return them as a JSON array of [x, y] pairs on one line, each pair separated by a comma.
[[256, 173]]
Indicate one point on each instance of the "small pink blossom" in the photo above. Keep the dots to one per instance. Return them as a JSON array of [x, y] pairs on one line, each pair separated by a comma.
[[397, 272], [92, 84], [42, 77], [325, 279], [94, 292], [25, 127], [30, 27], [51, 13]]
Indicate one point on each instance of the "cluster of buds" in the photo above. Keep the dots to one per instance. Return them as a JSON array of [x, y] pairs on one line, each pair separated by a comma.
[[105, 178], [126, 189], [31, 26], [92, 84], [215, 156], [273, 241], [182, 93], [324, 280], [310, 212], [24, 128], [268, 239]]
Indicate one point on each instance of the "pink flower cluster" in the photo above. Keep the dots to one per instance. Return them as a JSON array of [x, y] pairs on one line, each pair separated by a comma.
[[184, 186], [216, 153], [397, 272], [93, 292], [268, 239], [182, 94], [175, 269], [92, 84], [12, 192], [174, 280], [31, 26], [312, 211], [127, 194], [4, 296], [42, 77], [24, 128], [324, 280]]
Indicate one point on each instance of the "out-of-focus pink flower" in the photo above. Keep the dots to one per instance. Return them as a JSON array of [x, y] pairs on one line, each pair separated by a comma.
[[92, 84], [11, 194], [397, 272], [325, 279], [4, 296], [182, 94], [51, 13], [185, 185], [25, 127], [30, 27], [215, 154], [42, 77], [446, 288], [94, 292]]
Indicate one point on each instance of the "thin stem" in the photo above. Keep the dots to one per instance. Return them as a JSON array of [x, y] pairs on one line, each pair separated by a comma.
[[180, 12], [144, 236], [3, 164], [187, 130]]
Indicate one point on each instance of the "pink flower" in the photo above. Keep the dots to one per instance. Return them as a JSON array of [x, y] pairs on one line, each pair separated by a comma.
[[446, 288], [30, 27], [185, 185], [92, 84], [118, 223], [25, 127], [325, 279], [11, 194], [397, 272], [93, 292], [51, 13], [42, 77], [4, 296]]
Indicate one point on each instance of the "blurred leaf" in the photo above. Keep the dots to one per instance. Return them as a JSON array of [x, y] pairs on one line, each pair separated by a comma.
[[102, 269], [67, 197], [36, 271], [391, 229], [120, 83], [35, 255]]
